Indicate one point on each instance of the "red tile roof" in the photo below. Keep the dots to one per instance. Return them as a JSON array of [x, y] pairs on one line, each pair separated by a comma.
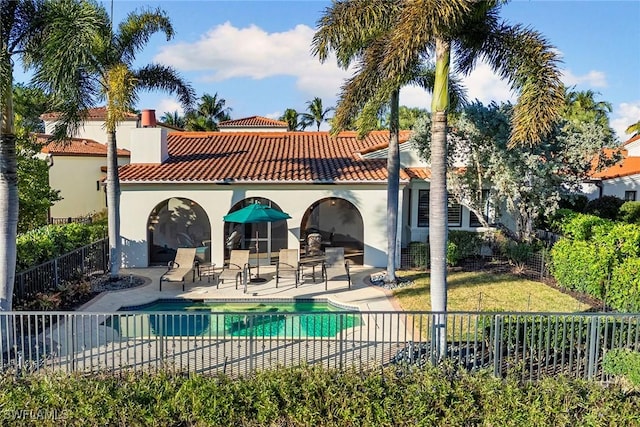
[[98, 113], [253, 121], [227, 157], [77, 147], [625, 167], [633, 139]]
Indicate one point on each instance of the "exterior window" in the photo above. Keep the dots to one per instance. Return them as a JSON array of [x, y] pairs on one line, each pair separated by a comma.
[[454, 213], [423, 208], [630, 196], [473, 218]]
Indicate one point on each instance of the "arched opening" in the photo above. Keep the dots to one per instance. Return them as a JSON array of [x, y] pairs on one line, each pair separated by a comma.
[[178, 223], [339, 224], [264, 239]]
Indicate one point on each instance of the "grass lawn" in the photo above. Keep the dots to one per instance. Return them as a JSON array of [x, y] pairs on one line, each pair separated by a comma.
[[484, 291]]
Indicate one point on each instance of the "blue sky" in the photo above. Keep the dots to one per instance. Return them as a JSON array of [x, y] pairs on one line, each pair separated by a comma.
[[256, 54]]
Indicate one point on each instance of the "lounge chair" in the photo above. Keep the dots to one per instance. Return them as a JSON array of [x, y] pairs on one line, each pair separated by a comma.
[[287, 265], [335, 267], [237, 268], [182, 264]]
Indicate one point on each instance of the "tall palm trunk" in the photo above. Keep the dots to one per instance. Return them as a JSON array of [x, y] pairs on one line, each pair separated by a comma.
[[8, 195], [113, 203], [393, 186], [438, 196]]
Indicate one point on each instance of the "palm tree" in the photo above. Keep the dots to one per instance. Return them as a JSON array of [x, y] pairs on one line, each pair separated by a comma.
[[213, 109], [432, 29], [354, 31], [634, 129], [33, 31], [291, 117], [582, 107], [111, 77], [173, 119], [316, 113]]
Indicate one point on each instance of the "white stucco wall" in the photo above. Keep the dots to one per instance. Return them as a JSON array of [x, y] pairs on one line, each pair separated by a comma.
[[76, 177], [94, 130], [137, 201], [618, 186]]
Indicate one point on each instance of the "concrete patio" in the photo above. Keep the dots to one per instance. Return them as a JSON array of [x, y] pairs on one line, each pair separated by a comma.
[[361, 295]]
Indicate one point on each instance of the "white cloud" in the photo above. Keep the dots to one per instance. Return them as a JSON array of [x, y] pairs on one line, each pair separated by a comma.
[[227, 52], [486, 86], [624, 115], [592, 78], [168, 105]]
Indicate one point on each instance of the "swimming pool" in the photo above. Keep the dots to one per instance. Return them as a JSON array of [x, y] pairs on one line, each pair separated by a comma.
[[198, 318]]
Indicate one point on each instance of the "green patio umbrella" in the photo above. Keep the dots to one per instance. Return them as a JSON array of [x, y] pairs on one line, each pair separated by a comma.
[[256, 213]]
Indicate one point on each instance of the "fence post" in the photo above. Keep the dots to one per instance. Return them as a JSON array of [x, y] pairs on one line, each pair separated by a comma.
[[497, 334], [55, 272], [251, 343], [593, 347], [542, 265]]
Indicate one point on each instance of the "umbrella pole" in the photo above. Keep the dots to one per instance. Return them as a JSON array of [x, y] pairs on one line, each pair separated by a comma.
[[257, 257]]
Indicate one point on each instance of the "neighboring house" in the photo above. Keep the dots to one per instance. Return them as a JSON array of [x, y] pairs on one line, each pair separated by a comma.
[[620, 180], [253, 124], [179, 186], [78, 166]]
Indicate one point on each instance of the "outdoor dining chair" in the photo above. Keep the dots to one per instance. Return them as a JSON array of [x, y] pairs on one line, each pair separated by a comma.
[[182, 264], [237, 268], [287, 265], [335, 266]]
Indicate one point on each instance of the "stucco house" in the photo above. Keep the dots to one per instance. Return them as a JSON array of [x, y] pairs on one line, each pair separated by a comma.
[[620, 180], [178, 187], [77, 167]]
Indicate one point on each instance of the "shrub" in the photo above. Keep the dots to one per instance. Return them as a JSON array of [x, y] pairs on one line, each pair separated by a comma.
[[561, 217], [604, 207], [630, 212], [574, 202], [623, 362], [48, 242], [467, 243], [580, 266], [624, 290], [581, 227], [453, 254]]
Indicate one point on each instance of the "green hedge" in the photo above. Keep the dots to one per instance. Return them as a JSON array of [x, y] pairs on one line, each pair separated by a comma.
[[599, 257], [48, 242], [313, 396], [630, 212]]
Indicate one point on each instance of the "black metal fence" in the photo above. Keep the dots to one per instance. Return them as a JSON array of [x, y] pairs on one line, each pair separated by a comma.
[[69, 220], [89, 259], [534, 266], [238, 343]]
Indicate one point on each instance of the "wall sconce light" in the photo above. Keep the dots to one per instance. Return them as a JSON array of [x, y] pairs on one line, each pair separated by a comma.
[[333, 202], [154, 219]]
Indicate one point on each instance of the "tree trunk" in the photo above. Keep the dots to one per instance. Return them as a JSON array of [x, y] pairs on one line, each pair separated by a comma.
[[393, 186], [8, 195], [113, 204], [438, 226]]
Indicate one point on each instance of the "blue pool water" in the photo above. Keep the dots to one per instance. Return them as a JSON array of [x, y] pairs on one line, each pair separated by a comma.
[[188, 318]]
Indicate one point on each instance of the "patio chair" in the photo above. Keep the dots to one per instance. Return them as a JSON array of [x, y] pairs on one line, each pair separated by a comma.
[[182, 264], [287, 265], [335, 267], [237, 268]]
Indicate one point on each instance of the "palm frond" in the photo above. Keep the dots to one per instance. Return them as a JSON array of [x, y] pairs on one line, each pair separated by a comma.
[[530, 64], [349, 26], [155, 76], [136, 30]]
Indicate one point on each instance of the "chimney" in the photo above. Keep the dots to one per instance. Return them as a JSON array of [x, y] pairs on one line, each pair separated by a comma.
[[148, 143], [148, 119]]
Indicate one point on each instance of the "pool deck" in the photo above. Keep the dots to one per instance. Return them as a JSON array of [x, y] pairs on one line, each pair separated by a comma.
[[362, 294]]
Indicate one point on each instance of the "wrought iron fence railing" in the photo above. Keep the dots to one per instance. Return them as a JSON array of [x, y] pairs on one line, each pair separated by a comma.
[[237, 343], [51, 274], [69, 220]]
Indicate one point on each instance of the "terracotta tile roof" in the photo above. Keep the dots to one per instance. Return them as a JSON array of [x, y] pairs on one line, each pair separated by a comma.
[[76, 147], [625, 167], [98, 113], [253, 121], [634, 139], [227, 157], [402, 138], [418, 173]]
